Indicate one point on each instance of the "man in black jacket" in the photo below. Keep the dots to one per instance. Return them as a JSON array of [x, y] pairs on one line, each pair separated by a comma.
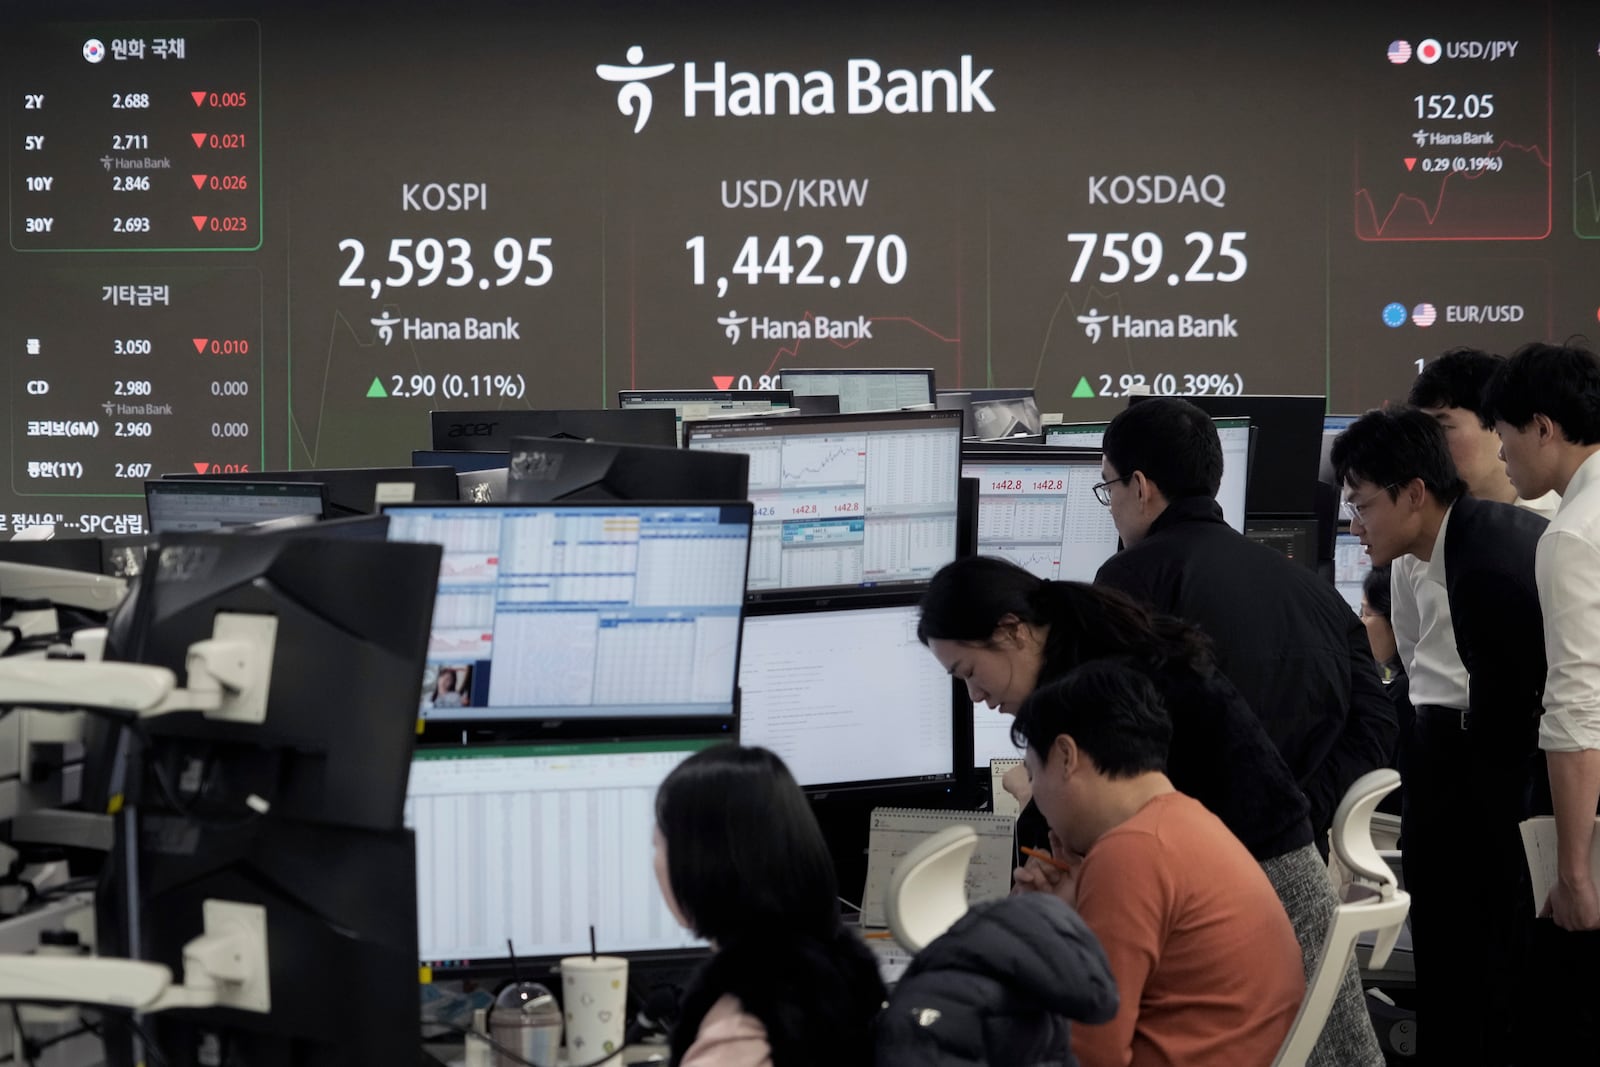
[[1282, 634], [1474, 651]]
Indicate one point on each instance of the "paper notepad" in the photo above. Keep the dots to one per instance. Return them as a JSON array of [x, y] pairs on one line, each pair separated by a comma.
[[1539, 842], [1001, 802], [896, 831]]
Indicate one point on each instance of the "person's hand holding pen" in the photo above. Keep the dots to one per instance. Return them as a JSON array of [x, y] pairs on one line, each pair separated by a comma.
[[1055, 872]]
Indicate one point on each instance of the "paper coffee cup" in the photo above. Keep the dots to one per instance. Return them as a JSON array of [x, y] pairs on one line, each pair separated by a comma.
[[594, 1000]]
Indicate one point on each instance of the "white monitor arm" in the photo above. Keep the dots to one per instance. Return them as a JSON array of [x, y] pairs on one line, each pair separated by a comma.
[[229, 674], [225, 966]]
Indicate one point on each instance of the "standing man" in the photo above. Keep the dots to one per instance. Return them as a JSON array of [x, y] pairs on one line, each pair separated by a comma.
[[1451, 390], [1474, 655], [1282, 634], [1545, 401]]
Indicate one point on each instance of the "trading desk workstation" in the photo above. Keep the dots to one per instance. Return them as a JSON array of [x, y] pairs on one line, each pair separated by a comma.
[[322, 730]]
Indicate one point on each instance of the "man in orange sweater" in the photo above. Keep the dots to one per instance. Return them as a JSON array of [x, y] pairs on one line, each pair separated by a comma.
[[1206, 963]]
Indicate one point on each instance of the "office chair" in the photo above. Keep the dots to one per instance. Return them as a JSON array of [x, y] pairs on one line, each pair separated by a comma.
[[928, 890], [1370, 899]]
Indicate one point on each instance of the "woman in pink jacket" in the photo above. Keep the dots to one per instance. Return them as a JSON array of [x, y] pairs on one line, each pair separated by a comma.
[[742, 862]]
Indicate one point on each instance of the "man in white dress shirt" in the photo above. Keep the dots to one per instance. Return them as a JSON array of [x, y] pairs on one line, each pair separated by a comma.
[[1473, 654], [1546, 405]]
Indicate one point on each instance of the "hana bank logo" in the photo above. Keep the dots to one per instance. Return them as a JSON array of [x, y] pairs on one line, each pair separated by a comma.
[[635, 97], [863, 87], [1091, 324]]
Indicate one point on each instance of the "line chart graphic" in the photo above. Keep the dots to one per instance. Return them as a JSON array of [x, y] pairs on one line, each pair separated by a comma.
[[1454, 149], [792, 350], [1506, 197], [813, 462]]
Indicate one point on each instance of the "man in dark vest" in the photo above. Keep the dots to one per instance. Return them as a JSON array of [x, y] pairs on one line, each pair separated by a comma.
[[1474, 654]]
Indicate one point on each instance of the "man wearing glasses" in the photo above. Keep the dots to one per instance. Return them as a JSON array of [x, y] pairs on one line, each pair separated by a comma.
[[1282, 634], [1473, 650]]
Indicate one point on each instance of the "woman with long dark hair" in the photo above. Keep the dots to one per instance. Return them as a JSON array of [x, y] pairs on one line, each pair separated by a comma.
[[742, 862], [1004, 632]]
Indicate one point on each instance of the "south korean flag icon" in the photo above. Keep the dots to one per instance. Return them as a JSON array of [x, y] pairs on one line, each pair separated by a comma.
[[93, 50]]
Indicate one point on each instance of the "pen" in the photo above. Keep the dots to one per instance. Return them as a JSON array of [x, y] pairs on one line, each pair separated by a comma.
[[877, 935], [1042, 855]]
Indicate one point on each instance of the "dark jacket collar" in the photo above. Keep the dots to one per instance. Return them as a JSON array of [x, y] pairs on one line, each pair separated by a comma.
[[1188, 509]]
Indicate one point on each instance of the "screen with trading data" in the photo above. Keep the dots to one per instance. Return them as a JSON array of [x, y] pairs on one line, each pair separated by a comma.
[[271, 237]]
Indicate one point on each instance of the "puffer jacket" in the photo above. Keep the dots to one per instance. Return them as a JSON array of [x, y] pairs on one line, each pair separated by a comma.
[[999, 989]]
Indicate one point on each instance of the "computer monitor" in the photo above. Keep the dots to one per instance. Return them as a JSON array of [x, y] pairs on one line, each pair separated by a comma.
[[1075, 434], [1039, 511], [817, 404], [545, 469], [300, 814], [355, 490], [1288, 439], [1332, 427], [848, 698], [991, 736], [1350, 567], [1296, 539], [845, 502], [462, 462], [585, 612], [998, 418], [492, 431], [1020, 392], [1237, 438], [705, 403], [188, 507], [862, 388], [538, 844]]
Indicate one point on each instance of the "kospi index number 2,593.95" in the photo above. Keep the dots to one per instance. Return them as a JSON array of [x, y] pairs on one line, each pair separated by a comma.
[[423, 261]]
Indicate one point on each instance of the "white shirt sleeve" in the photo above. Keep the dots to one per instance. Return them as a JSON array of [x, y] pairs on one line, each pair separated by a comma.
[[1567, 571], [1404, 615]]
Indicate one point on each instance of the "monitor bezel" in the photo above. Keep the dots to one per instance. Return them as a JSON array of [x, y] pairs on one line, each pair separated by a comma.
[[820, 424], [533, 730]]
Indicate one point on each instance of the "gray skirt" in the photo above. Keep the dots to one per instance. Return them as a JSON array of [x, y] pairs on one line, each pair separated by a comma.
[[1301, 881]]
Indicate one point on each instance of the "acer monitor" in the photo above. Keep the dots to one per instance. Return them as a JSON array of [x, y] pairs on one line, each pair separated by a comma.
[[492, 431]]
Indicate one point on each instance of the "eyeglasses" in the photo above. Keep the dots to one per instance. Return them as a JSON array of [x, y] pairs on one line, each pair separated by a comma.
[[1355, 511], [1102, 492]]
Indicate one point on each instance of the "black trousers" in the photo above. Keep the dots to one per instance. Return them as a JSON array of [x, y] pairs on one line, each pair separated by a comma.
[[1467, 788]]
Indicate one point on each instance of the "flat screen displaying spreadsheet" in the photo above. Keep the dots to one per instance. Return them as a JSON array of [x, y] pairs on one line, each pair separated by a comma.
[[1350, 567], [538, 843], [1075, 434], [1039, 511], [560, 611], [191, 506], [847, 697], [862, 388], [846, 501], [991, 736]]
